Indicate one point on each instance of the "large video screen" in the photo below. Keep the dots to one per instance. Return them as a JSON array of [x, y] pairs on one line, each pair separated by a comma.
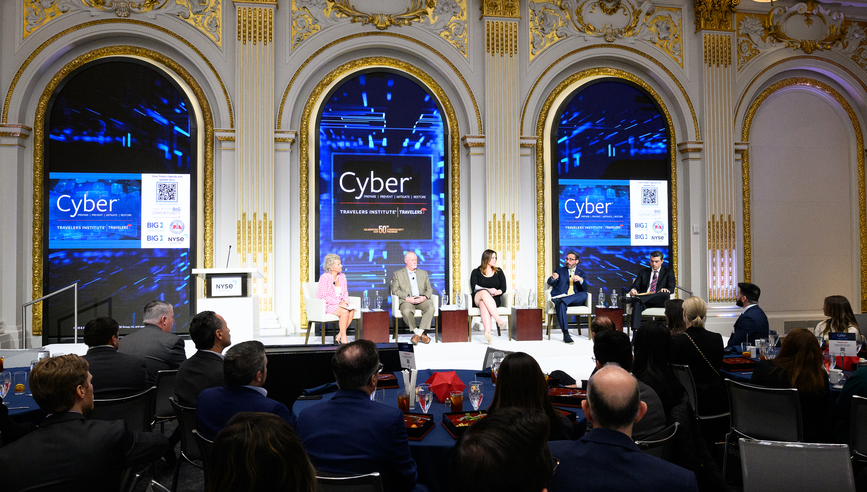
[[612, 171], [119, 197], [382, 180]]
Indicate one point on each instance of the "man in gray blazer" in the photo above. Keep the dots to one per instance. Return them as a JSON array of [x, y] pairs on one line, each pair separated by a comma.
[[412, 287], [160, 348]]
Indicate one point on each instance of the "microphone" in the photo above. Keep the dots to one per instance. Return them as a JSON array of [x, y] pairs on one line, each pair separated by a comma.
[[681, 288], [228, 255]]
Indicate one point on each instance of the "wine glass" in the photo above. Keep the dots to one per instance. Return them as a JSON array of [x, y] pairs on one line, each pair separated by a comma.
[[423, 392], [830, 362], [445, 301], [476, 394], [5, 382], [365, 303], [495, 366]]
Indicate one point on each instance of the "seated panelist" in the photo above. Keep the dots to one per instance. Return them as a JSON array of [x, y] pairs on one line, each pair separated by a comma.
[[651, 287], [412, 286], [567, 281], [332, 288], [487, 284]]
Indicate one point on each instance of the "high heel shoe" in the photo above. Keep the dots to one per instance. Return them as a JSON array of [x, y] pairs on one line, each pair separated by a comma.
[[502, 324], [488, 337]]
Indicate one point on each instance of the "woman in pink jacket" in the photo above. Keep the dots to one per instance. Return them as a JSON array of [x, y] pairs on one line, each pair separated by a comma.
[[332, 288]]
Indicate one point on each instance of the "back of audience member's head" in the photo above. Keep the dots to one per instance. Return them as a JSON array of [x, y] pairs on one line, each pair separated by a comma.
[[505, 451], [99, 331], [521, 384], [802, 361], [614, 346], [354, 364], [695, 310], [674, 316], [838, 309], [259, 451], [203, 329], [155, 310], [600, 324], [613, 399], [750, 291], [54, 381], [243, 361]]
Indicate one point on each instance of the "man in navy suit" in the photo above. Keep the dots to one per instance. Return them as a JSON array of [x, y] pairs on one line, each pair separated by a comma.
[[568, 282], [204, 369], [752, 323], [607, 458], [349, 434], [245, 369], [654, 284], [115, 375]]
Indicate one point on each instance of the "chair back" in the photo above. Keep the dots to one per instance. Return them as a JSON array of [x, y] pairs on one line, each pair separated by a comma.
[[204, 445], [370, 482], [770, 465], [489, 357], [187, 423], [862, 324], [135, 410], [765, 413], [858, 427], [659, 444], [165, 384], [684, 376], [309, 290]]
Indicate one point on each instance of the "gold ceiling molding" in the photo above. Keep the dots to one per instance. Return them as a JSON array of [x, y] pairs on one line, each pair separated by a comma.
[[204, 15], [308, 153], [556, 20], [717, 49], [255, 24], [85, 25], [501, 37], [619, 47], [415, 11], [543, 139], [389, 34], [745, 169], [714, 15], [39, 138], [500, 8]]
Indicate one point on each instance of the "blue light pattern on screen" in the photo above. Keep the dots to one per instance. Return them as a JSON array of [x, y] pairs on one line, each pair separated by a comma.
[[392, 124]]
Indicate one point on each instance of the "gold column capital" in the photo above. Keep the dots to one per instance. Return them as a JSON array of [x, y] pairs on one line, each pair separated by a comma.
[[249, 3], [714, 15], [500, 8]]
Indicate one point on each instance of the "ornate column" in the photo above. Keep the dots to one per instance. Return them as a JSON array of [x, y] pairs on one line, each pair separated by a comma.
[[13, 144], [254, 148], [714, 20], [502, 135]]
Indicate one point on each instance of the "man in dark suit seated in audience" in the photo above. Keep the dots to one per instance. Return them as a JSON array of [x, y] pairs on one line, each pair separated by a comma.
[[160, 348], [349, 434], [753, 322], [505, 451], [204, 369], [651, 288], [68, 452], [607, 458], [245, 369], [115, 375]]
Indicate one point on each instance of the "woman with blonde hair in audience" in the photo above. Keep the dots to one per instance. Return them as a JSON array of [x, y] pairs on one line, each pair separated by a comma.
[[332, 288], [841, 319], [674, 316], [702, 351]]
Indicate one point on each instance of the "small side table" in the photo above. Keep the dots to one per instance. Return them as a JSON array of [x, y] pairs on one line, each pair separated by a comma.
[[527, 323], [616, 315], [374, 326], [453, 325]]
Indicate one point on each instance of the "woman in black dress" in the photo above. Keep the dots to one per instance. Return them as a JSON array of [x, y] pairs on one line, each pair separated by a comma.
[[702, 351], [652, 349], [487, 284]]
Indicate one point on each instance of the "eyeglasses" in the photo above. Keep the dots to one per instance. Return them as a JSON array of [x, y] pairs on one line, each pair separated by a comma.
[[593, 358], [380, 368], [556, 464]]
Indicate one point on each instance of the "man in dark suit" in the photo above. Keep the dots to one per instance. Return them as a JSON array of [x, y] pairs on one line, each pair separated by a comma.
[[351, 434], [160, 348], [245, 369], [651, 287], [68, 452], [607, 458], [752, 323], [115, 375], [568, 288], [412, 286], [204, 369]]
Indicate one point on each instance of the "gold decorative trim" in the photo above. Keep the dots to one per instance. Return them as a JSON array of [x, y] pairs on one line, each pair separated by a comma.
[[542, 140], [717, 50], [39, 154], [22, 136], [85, 25], [614, 46], [390, 34], [255, 24], [745, 169], [501, 38], [226, 139], [500, 8], [414, 13], [307, 164], [285, 140], [525, 145], [777, 19], [714, 15]]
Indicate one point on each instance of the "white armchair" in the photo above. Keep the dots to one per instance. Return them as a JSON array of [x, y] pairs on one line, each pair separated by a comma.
[[585, 310], [505, 309], [396, 314], [316, 310], [653, 313]]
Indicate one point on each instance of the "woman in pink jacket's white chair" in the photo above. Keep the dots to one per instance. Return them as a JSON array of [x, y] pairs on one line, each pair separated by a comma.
[[332, 289]]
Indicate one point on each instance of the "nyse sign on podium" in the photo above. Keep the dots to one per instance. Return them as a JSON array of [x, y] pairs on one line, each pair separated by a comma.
[[381, 197]]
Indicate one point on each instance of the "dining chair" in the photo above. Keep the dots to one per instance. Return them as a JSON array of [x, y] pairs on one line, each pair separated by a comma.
[[659, 444], [397, 315], [684, 376], [473, 312], [489, 356], [316, 310], [858, 428], [165, 389], [370, 482], [189, 448], [551, 312], [204, 445], [774, 465]]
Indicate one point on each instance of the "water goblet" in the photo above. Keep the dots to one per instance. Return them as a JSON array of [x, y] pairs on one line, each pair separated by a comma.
[[5, 382], [423, 391], [476, 394]]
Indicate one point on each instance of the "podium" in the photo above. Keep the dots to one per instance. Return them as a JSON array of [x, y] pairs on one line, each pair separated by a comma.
[[227, 294]]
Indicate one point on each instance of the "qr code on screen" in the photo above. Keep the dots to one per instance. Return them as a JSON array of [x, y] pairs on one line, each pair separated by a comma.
[[650, 196], [167, 192]]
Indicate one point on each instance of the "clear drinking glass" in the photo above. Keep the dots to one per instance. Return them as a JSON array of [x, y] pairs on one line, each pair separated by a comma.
[[424, 394], [365, 303], [495, 366], [772, 338], [476, 394], [445, 300], [378, 301], [5, 383], [459, 301]]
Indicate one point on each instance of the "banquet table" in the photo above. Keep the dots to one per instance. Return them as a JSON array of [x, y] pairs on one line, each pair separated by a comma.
[[23, 408], [431, 453]]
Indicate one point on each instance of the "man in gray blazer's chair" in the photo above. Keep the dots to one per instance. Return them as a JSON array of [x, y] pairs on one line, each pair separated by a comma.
[[412, 287]]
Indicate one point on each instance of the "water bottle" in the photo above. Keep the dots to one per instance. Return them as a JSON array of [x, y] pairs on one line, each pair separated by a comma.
[[516, 299], [531, 299], [614, 299], [378, 301], [365, 302], [601, 298], [445, 300]]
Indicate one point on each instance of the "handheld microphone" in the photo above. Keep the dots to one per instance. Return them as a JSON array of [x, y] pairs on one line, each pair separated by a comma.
[[228, 255]]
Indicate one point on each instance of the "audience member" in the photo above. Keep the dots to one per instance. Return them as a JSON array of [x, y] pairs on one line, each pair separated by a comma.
[[614, 347], [841, 319], [155, 343], [505, 451], [702, 351], [204, 369], [115, 375], [607, 459], [674, 316], [67, 451], [652, 365], [245, 369], [350, 434], [856, 385], [800, 365], [259, 451], [753, 322], [521, 384], [600, 324]]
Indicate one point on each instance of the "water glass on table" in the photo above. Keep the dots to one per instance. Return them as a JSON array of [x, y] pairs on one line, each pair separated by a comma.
[[425, 395], [476, 394], [5, 383], [19, 379]]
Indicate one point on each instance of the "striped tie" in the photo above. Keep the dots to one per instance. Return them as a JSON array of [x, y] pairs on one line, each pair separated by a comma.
[[653, 283]]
